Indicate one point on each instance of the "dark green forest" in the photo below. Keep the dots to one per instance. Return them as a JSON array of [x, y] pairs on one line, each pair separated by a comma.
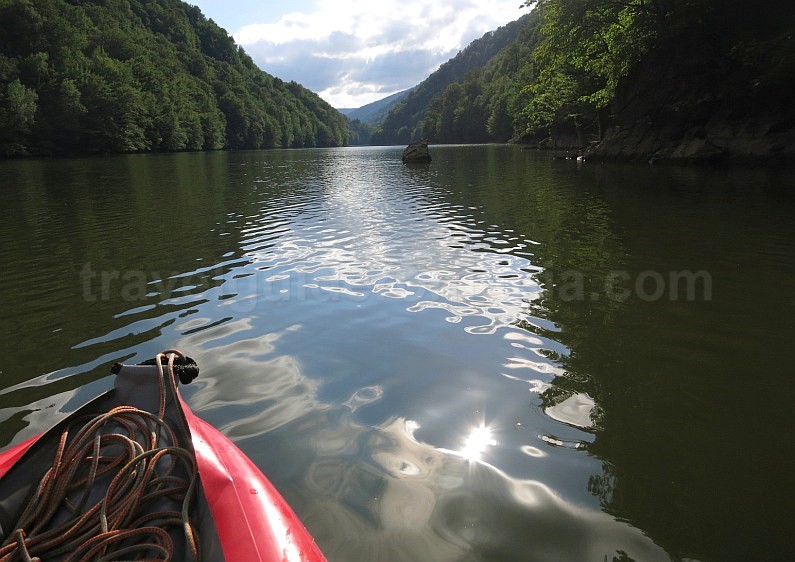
[[624, 77], [111, 76], [645, 73]]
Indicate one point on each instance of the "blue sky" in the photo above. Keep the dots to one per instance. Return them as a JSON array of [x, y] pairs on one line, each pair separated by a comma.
[[357, 51]]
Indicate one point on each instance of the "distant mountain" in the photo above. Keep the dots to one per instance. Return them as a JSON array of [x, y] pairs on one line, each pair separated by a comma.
[[374, 113], [110, 76], [404, 122]]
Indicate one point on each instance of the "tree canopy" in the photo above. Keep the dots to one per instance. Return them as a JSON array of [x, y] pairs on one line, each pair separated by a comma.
[[108, 76], [570, 68]]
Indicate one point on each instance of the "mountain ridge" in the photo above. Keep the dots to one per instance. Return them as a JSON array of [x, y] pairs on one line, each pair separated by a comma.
[[402, 124], [375, 112]]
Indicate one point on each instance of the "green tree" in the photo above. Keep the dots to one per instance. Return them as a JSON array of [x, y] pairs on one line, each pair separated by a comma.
[[61, 112], [589, 46], [17, 116]]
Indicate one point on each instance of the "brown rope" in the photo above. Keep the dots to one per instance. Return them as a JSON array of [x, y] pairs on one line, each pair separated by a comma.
[[135, 459]]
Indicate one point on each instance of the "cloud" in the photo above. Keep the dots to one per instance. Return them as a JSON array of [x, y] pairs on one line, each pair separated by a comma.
[[356, 52]]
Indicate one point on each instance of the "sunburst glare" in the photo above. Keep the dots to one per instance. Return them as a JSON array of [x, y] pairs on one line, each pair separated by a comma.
[[476, 443]]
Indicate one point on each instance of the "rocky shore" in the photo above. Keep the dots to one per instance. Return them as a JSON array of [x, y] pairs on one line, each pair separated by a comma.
[[759, 138]]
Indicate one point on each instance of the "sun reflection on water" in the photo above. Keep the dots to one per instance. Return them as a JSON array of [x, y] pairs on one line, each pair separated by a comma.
[[476, 443]]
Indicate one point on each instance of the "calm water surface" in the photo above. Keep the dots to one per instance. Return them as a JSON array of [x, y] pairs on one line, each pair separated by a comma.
[[498, 356]]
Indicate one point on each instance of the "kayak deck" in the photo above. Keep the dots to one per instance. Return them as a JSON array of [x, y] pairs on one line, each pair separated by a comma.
[[234, 512]]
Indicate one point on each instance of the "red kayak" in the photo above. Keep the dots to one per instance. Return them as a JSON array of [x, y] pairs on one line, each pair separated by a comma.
[[135, 474]]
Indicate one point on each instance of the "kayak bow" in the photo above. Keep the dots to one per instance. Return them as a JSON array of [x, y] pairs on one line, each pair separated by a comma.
[[234, 513]]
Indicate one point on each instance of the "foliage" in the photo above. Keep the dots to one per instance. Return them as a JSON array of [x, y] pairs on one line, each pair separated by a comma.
[[109, 76], [360, 132], [428, 111], [589, 47], [680, 60], [572, 67]]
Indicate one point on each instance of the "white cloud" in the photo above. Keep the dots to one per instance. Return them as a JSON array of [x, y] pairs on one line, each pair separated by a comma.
[[356, 52]]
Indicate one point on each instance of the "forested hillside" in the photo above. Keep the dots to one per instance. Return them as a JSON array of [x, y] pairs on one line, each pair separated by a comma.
[[693, 79], [110, 76], [458, 115]]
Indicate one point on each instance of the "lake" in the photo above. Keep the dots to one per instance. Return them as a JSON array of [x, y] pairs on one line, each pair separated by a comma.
[[497, 356]]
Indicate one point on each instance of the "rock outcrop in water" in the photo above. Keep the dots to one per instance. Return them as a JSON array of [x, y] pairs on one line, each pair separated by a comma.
[[416, 152]]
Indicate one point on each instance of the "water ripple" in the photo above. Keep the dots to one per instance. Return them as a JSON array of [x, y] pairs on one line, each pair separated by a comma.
[[381, 237]]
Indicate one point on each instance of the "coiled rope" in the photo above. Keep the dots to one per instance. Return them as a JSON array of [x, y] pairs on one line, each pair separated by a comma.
[[138, 464]]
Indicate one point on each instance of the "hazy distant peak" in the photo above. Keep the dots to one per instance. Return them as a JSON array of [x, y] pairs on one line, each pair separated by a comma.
[[374, 113]]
